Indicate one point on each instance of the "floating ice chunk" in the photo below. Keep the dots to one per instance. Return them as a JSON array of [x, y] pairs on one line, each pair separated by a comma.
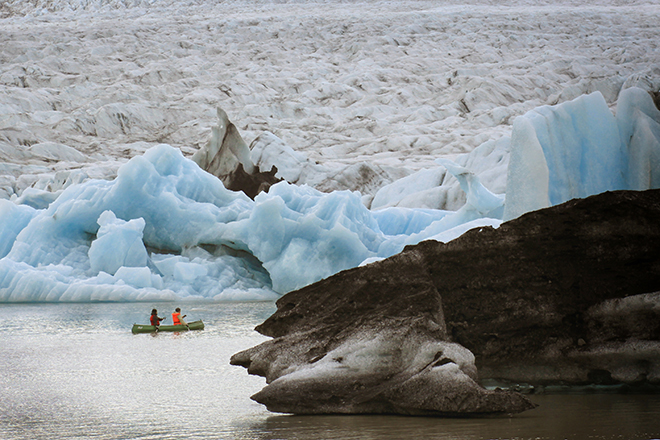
[[579, 148], [138, 277], [188, 272], [406, 221], [370, 260], [638, 120], [418, 190], [577, 142], [479, 198], [225, 150], [181, 206], [434, 188], [118, 243], [528, 177], [13, 218], [37, 198], [302, 235], [455, 232], [268, 150], [209, 276], [370, 354]]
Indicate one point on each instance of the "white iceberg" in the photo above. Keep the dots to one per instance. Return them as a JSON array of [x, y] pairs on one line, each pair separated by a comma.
[[118, 244], [580, 148]]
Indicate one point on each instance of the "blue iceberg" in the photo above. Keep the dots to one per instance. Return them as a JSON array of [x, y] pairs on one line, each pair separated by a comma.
[[580, 148], [164, 229]]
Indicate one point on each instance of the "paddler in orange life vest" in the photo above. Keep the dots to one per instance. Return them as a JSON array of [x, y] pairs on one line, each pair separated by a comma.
[[177, 319], [155, 320]]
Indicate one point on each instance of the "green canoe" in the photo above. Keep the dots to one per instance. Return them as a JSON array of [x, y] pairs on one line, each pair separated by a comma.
[[195, 325]]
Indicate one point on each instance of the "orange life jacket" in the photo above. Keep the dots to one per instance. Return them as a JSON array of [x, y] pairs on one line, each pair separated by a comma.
[[175, 318]]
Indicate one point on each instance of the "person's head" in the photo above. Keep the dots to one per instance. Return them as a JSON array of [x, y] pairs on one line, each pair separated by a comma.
[[177, 310], [154, 312]]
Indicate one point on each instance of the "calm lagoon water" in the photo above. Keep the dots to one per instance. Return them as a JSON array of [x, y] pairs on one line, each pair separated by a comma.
[[75, 371]]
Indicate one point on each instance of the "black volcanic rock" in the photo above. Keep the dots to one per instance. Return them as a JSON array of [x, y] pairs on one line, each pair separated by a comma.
[[563, 295]]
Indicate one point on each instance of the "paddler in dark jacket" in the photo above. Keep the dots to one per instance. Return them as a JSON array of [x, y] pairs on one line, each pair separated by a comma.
[[155, 320]]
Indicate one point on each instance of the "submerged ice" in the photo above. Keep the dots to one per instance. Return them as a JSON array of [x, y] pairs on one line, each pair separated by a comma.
[[166, 229]]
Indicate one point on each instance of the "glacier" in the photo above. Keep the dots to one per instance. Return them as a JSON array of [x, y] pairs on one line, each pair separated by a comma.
[[164, 229]]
